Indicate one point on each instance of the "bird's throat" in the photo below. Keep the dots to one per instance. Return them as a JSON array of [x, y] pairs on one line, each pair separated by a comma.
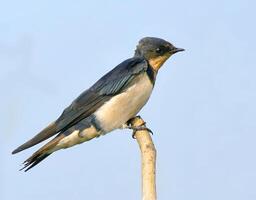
[[156, 63]]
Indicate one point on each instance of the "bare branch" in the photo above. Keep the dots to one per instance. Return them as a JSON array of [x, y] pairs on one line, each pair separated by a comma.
[[148, 159]]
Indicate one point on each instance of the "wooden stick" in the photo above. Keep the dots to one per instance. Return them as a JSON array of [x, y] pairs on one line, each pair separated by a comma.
[[148, 159]]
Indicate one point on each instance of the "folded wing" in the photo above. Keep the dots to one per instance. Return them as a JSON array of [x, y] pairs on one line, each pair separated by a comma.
[[114, 82]]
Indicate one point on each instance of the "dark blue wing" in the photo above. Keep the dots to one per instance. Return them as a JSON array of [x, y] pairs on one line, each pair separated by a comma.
[[89, 101], [108, 86]]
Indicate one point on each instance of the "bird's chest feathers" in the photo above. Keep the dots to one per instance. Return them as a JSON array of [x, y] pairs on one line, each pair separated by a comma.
[[117, 111]]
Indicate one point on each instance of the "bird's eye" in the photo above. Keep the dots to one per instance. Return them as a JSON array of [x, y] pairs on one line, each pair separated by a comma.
[[158, 50]]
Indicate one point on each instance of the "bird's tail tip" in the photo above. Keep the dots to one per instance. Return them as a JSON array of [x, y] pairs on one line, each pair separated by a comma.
[[33, 161], [41, 154]]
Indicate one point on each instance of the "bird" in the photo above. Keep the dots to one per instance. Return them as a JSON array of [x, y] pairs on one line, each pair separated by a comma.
[[107, 105]]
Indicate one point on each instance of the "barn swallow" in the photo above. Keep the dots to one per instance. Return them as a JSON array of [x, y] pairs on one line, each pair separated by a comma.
[[107, 105]]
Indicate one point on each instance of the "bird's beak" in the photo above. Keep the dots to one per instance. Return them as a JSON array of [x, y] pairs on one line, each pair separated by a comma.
[[175, 50]]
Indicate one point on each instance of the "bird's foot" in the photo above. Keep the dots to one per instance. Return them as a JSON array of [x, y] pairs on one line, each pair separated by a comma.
[[139, 128], [142, 127]]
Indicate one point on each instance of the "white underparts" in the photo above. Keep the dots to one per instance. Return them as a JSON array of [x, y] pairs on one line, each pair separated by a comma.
[[119, 109], [114, 113]]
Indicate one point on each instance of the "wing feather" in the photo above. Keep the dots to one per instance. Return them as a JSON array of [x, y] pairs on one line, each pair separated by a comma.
[[109, 85], [90, 100]]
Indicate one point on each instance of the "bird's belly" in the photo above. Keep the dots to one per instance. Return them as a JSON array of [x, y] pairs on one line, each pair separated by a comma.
[[117, 111]]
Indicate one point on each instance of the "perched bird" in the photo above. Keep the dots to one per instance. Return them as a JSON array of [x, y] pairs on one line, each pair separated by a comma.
[[108, 104]]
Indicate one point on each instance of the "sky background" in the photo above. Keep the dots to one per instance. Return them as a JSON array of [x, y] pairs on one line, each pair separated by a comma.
[[202, 111]]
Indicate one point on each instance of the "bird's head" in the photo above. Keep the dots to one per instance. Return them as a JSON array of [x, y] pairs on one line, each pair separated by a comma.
[[156, 51]]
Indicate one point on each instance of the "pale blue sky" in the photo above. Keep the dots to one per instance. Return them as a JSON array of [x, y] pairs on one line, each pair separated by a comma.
[[202, 110]]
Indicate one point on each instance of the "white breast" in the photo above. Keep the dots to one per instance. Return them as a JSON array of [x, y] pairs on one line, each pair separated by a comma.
[[117, 111]]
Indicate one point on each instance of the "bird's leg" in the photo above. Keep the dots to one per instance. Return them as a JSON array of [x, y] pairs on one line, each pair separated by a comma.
[[142, 127]]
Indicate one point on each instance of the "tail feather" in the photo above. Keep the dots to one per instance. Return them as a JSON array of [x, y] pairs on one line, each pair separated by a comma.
[[42, 153], [28, 164], [46, 133]]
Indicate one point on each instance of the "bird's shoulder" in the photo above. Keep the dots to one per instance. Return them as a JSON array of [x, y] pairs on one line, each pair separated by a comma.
[[122, 72]]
